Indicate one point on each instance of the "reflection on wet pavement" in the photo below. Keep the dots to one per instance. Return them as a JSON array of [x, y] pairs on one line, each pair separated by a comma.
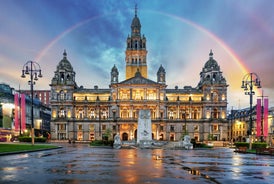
[[84, 164]]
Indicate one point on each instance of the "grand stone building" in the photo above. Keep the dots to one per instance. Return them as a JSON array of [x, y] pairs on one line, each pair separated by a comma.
[[84, 114]]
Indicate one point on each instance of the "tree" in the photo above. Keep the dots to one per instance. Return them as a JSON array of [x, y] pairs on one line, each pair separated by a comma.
[[107, 134], [7, 121]]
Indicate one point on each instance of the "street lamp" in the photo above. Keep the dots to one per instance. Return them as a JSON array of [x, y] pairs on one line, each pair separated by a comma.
[[249, 81], [32, 69]]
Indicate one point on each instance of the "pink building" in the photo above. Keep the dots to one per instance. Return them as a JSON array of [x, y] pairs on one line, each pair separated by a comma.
[[42, 95]]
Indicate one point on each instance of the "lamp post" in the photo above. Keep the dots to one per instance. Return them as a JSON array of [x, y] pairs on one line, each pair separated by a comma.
[[249, 81], [32, 69]]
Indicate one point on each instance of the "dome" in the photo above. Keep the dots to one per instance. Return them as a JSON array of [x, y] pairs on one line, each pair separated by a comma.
[[138, 73], [161, 70], [114, 69], [64, 64], [135, 22], [211, 63]]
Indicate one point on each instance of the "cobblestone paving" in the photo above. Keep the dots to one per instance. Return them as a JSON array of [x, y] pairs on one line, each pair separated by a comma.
[[83, 164]]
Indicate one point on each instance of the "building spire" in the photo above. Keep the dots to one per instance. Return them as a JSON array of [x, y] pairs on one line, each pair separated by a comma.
[[65, 53], [211, 54], [136, 10]]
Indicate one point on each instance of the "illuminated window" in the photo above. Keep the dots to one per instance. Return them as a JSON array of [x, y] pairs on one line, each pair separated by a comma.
[[54, 113], [92, 114], [80, 114], [91, 127], [223, 114], [215, 127], [69, 114], [215, 96], [104, 114], [195, 114], [138, 96], [151, 96], [124, 96], [124, 114], [62, 112], [62, 95], [80, 136], [171, 114], [61, 127]]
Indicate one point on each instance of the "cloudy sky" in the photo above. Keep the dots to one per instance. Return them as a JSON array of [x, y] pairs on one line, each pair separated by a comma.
[[180, 34]]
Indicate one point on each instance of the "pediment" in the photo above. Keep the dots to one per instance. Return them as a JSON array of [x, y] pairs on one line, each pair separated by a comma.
[[138, 80]]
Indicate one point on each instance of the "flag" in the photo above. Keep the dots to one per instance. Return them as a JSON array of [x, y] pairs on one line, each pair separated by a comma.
[[16, 111], [23, 111], [265, 117], [259, 117]]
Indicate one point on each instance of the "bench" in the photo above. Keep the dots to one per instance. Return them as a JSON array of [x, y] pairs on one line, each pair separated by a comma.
[[265, 151], [241, 149]]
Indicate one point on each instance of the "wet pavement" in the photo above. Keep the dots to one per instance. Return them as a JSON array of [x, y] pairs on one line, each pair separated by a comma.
[[78, 163]]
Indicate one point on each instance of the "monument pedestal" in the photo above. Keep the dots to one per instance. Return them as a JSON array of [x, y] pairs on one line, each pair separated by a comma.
[[145, 143], [144, 133]]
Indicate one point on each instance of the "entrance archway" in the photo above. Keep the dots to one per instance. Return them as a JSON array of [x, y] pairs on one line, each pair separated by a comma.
[[124, 136]]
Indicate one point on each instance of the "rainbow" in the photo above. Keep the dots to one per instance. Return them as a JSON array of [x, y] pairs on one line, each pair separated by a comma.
[[63, 34], [220, 42]]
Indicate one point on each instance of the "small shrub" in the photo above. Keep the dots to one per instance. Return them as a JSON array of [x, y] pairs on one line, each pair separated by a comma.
[[255, 145], [101, 143], [241, 144], [28, 139]]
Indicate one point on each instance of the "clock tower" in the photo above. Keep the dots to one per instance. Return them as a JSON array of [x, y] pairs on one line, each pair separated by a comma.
[[136, 53]]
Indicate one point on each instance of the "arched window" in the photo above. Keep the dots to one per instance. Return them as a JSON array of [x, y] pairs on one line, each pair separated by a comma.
[[124, 136], [215, 113], [124, 114], [215, 96], [62, 112], [80, 114], [62, 77], [104, 114], [92, 114], [62, 95], [171, 115], [214, 77], [195, 114]]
